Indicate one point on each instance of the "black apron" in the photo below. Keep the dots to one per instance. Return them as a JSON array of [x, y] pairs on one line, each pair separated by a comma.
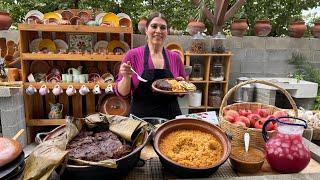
[[147, 103]]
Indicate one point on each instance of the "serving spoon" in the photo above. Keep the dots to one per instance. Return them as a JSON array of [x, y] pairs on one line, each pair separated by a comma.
[[139, 77], [246, 141]]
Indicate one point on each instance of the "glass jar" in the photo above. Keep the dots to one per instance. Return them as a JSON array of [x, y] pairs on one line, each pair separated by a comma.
[[217, 72], [198, 44], [197, 74], [214, 98], [219, 43]]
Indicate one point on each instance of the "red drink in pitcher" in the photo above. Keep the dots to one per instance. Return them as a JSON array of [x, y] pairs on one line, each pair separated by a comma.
[[286, 152]]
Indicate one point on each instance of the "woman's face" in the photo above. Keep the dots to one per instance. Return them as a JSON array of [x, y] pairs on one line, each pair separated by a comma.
[[157, 31]]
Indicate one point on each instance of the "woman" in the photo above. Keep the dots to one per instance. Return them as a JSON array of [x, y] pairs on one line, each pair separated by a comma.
[[151, 62]]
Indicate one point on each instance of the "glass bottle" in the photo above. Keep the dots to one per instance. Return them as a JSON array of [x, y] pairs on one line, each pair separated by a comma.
[[217, 72], [219, 43], [214, 98], [198, 44], [197, 74]]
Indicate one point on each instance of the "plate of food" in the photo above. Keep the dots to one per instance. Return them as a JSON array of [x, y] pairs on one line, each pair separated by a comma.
[[172, 86]]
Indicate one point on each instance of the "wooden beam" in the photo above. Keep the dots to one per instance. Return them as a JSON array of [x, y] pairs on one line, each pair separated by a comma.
[[222, 11], [234, 9], [217, 8]]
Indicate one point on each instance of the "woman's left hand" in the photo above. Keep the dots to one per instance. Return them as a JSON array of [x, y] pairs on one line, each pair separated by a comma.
[[179, 78]]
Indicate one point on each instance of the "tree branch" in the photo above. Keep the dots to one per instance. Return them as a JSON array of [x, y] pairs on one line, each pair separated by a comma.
[[222, 11], [234, 9]]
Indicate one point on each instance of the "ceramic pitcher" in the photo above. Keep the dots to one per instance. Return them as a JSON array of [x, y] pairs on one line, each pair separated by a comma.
[[55, 111], [75, 71]]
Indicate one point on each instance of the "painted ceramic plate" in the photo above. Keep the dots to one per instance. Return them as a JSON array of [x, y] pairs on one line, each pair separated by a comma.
[[123, 15], [66, 14], [125, 22], [37, 67], [100, 45], [84, 16], [53, 15], [176, 87], [61, 45], [34, 45], [118, 46], [34, 13], [47, 44], [111, 18], [99, 17]]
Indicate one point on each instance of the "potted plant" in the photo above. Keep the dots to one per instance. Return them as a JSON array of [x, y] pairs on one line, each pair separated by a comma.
[[5, 20], [262, 26], [316, 27], [196, 25], [239, 25], [297, 27]]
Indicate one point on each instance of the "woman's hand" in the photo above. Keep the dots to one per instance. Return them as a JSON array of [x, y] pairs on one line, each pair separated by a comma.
[[179, 78], [125, 70]]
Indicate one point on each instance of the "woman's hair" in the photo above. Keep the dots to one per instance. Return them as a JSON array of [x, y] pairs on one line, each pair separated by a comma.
[[154, 15]]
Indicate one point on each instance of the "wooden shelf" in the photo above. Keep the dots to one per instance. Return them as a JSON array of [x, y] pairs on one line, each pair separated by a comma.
[[37, 85], [218, 82], [74, 28], [198, 81], [210, 107], [69, 57], [191, 107], [45, 122], [228, 53]]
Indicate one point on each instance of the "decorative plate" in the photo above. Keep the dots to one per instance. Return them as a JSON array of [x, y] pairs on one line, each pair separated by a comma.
[[66, 14], [99, 17], [80, 42], [34, 13], [118, 46], [172, 86], [53, 15], [47, 44], [34, 45], [111, 18], [125, 22], [123, 15], [61, 45], [39, 67], [76, 20], [84, 16], [100, 45]]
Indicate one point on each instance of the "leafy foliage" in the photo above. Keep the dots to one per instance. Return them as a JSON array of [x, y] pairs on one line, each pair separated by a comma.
[[307, 71], [178, 12]]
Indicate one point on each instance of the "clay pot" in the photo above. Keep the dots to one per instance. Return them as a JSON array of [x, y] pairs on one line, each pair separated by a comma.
[[239, 27], [142, 25], [262, 28], [296, 29], [195, 26], [316, 30], [5, 21]]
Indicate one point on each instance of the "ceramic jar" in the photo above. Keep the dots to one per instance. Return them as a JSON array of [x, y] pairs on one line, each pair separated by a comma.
[[239, 27], [296, 29], [142, 25], [5, 21], [316, 30], [262, 28]]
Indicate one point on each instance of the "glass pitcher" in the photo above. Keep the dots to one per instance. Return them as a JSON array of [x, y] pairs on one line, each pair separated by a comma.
[[285, 151]]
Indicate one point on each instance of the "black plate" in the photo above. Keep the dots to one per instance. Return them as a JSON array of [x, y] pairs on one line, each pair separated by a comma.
[[13, 168]]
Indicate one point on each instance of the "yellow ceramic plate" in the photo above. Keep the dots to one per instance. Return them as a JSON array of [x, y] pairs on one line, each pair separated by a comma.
[[111, 18], [47, 44], [53, 15], [118, 46]]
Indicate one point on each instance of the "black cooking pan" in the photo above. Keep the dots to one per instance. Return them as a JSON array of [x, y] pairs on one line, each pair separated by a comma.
[[14, 168]]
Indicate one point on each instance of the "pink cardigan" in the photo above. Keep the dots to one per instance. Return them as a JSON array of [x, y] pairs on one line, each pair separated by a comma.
[[176, 66]]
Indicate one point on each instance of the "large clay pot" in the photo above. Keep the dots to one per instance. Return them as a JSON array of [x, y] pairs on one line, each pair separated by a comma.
[[239, 27], [296, 29], [142, 25], [195, 26], [262, 28], [5, 21], [316, 30]]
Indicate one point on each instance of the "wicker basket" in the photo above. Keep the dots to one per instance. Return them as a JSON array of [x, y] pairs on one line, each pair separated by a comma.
[[236, 132]]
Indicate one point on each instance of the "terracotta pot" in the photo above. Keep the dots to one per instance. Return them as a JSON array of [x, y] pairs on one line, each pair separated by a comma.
[[262, 28], [195, 26], [296, 29], [239, 27], [142, 25], [5, 21], [316, 30]]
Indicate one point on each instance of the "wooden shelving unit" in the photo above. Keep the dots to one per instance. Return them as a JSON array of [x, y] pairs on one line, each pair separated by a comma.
[[37, 107], [207, 60]]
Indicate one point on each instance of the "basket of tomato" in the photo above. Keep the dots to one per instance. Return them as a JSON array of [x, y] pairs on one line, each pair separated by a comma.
[[239, 118]]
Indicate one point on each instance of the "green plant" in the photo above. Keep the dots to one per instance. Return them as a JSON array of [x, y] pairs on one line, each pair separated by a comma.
[[316, 105], [240, 14], [307, 71], [200, 11], [297, 17]]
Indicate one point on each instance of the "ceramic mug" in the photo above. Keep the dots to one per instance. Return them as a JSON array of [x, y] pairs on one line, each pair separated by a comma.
[[84, 90], [71, 90], [43, 90], [109, 89], [69, 78], [76, 78], [82, 78], [96, 89], [57, 90], [64, 78], [31, 90]]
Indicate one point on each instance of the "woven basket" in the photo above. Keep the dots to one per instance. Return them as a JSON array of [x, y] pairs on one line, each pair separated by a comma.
[[316, 130], [236, 132]]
